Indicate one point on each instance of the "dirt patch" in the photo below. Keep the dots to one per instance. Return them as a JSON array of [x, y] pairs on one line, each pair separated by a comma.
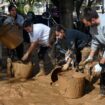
[[40, 92]]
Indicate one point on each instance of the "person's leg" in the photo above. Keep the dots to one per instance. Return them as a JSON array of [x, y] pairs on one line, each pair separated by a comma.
[[19, 51], [102, 81], [78, 56], [42, 52], [41, 55], [11, 53]]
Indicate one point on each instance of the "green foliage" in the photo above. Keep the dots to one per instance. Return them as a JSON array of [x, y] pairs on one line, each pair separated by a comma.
[[20, 8], [21, 3]]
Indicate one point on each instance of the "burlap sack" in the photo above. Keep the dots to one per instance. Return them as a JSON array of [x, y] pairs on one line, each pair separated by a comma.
[[10, 36], [21, 70], [85, 53], [71, 85]]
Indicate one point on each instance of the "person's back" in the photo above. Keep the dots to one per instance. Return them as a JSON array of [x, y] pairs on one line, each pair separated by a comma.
[[40, 34], [81, 39]]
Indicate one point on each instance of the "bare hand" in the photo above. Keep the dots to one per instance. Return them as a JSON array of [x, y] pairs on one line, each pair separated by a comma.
[[25, 57], [65, 67]]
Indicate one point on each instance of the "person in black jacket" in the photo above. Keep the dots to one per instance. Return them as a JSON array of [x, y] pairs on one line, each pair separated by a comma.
[[72, 38]]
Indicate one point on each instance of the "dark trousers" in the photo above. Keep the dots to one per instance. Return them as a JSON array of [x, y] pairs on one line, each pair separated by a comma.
[[20, 50], [78, 56], [102, 81], [42, 52], [16, 53]]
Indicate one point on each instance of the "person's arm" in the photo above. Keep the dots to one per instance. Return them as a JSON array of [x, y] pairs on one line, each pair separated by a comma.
[[94, 47], [102, 61], [32, 47], [92, 53]]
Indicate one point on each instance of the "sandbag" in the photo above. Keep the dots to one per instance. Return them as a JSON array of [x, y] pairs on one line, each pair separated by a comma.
[[85, 53], [22, 70], [72, 86]]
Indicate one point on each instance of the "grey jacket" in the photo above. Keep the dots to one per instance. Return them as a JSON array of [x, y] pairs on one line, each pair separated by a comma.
[[10, 20], [98, 35]]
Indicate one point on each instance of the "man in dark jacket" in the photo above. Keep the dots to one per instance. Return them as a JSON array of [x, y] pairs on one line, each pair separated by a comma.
[[74, 39]]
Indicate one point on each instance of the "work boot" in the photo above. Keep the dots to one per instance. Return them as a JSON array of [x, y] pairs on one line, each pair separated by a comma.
[[41, 70]]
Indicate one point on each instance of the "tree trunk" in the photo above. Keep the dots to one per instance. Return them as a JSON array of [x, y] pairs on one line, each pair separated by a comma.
[[66, 9]]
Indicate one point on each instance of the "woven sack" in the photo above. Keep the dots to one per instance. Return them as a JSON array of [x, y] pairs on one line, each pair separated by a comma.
[[10, 36], [21, 70], [85, 53]]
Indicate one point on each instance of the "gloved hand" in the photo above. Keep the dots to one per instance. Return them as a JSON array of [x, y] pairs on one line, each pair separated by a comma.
[[89, 59], [97, 68]]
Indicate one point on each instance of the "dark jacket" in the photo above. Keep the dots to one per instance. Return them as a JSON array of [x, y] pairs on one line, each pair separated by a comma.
[[78, 38]]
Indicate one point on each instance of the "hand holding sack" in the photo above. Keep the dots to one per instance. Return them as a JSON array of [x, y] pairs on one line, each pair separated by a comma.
[[66, 65], [89, 59]]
